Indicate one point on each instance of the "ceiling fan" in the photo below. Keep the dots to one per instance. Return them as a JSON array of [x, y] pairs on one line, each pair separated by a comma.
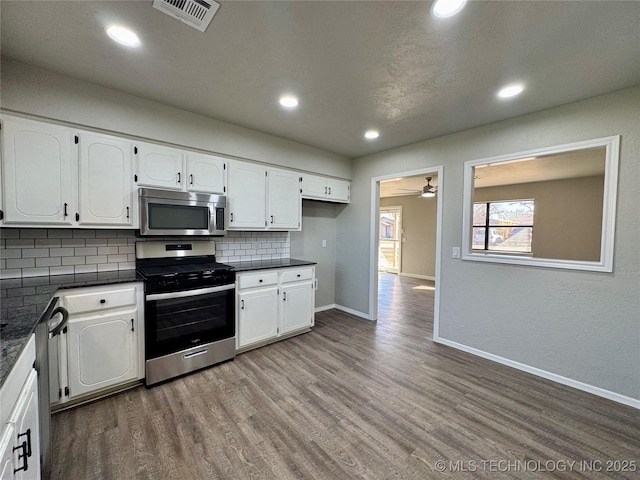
[[428, 191]]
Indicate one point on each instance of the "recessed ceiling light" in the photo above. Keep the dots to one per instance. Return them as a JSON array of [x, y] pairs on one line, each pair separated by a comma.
[[289, 101], [123, 36], [447, 8], [371, 134], [511, 91]]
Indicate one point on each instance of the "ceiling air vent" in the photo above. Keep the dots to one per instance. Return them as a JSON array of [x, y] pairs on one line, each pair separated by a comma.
[[196, 13]]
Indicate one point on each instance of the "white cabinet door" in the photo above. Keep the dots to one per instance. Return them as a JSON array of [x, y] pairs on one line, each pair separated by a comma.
[[206, 173], [26, 432], [106, 180], [285, 207], [338, 190], [159, 166], [102, 351], [296, 306], [314, 186], [257, 316], [246, 199], [6, 453], [39, 176]]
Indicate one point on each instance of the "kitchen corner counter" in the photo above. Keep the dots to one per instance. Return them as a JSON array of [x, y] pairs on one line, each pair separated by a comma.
[[247, 266], [24, 300]]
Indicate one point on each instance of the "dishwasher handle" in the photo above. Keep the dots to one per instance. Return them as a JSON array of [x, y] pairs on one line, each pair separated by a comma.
[[65, 317]]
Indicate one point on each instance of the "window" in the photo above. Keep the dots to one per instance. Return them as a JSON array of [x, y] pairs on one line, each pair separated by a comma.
[[505, 226]]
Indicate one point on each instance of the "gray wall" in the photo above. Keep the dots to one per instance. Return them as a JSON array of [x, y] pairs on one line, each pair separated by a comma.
[[318, 223], [580, 325], [568, 215], [30, 90], [419, 231]]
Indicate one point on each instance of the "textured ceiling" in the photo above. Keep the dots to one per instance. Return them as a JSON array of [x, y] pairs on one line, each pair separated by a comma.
[[355, 65]]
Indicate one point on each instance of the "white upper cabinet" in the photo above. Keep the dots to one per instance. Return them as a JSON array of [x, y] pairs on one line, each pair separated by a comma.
[[39, 180], [206, 173], [159, 166], [285, 205], [106, 180], [328, 189], [247, 197]]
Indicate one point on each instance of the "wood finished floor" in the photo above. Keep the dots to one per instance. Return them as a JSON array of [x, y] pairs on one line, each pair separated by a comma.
[[352, 399]]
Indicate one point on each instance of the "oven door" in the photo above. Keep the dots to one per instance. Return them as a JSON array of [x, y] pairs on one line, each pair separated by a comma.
[[177, 321]]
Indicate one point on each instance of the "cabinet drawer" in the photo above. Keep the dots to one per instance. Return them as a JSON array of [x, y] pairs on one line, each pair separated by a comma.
[[100, 300], [296, 275], [257, 280]]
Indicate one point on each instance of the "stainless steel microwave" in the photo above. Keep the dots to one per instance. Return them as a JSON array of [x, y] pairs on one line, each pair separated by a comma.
[[163, 212]]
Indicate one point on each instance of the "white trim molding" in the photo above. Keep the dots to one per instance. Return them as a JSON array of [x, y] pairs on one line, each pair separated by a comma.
[[342, 308], [605, 264], [585, 387], [324, 307]]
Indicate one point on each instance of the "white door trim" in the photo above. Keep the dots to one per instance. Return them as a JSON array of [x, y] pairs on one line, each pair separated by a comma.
[[374, 237]]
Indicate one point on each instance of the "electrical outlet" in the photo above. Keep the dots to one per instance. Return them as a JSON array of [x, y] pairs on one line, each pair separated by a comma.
[[324, 243], [455, 252]]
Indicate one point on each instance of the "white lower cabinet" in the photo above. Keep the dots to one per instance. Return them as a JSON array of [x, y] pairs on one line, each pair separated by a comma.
[[273, 303], [20, 427], [102, 345]]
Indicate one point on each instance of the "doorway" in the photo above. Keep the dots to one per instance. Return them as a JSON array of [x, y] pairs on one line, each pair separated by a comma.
[[410, 188], [390, 240]]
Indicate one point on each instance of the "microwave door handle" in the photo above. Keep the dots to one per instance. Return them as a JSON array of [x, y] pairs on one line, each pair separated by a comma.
[[189, 293]]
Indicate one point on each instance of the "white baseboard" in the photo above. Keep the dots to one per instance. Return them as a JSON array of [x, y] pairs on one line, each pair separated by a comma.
[[415, 275], [325, 307], [585, 387]]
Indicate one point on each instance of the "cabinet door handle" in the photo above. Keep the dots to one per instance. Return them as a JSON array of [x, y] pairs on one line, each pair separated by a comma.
[[231, 215], [65, 210], [178, 177], [132, 328], [325, 190], [329, 190], [102, 300], [25, 446], [271, 218], [284, 296], [241, 304], [191, 179], [127, 212]]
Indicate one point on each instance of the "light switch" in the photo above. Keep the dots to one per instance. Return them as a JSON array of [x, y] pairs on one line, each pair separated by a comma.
[[455, 252], [324, 243]]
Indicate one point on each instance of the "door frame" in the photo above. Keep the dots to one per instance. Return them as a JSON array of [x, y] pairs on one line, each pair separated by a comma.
[[375, 234], [397, 208]]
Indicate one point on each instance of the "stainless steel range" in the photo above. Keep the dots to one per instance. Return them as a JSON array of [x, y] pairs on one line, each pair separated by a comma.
[[189, 307]]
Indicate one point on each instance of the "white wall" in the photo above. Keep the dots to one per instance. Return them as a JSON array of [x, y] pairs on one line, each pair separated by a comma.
[[30, 90], [580, 325]]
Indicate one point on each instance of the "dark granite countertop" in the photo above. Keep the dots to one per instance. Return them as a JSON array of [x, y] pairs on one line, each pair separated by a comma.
[[267, 264], [23, 300]]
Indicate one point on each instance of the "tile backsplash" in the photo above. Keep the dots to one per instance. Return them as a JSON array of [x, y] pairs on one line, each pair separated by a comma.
[[30, 252]]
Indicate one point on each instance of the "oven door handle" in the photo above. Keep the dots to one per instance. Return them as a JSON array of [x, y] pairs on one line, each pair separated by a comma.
[[189, 293]]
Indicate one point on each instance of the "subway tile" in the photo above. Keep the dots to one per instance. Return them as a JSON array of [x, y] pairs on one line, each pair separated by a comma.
[[84, 233], [35, 252], [107, 234], [35, 272], [47, 242], [107, 250], [21, 263], [59, 233], [11, 253], [86, 251], [127, 249], [116, 258], [9, 232], [20, 243], [21, 291], [61, 252], [73, 261], [48, 289], [131, 257], [96, 259], [10, 273], [85, 268], [107, 267], [48, 262], [34, 282], [73, 242], [33, 233], [126, 266], [125, 233], [96, 242], [61, 270], [117, 242]]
